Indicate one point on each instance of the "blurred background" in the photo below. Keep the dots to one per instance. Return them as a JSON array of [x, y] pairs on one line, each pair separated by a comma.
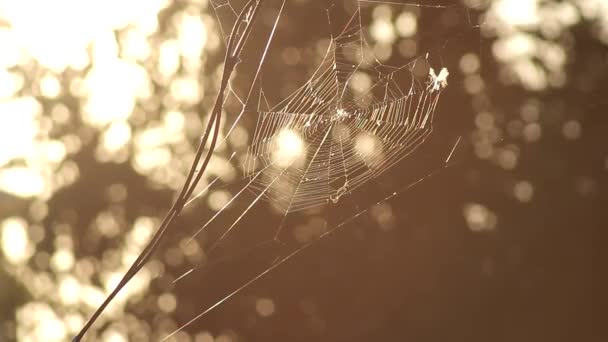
[[99, 122]]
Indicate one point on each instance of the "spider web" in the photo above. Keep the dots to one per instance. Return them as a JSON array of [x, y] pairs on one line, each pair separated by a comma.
[[342, 143], [315, 150]]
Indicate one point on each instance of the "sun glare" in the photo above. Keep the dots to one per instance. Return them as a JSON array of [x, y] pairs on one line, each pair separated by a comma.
[[368, 148], [15, 241], [290, 149]]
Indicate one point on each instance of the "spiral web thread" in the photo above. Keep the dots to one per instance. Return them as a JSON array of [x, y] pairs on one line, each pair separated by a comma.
[[347, 138]]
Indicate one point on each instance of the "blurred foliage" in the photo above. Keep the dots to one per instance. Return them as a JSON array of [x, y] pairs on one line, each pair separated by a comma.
[[100, 111]]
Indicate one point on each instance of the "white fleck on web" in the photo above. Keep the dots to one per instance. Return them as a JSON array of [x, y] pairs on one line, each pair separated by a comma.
[[315, 151]]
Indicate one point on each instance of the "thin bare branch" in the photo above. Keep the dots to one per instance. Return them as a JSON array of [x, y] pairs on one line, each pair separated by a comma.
[[236, 42]]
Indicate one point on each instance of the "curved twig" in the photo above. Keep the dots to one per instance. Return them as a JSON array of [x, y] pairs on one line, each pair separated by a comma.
[[240, 32]]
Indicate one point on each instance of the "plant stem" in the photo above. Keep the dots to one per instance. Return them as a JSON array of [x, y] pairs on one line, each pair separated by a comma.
[[238, 37]]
